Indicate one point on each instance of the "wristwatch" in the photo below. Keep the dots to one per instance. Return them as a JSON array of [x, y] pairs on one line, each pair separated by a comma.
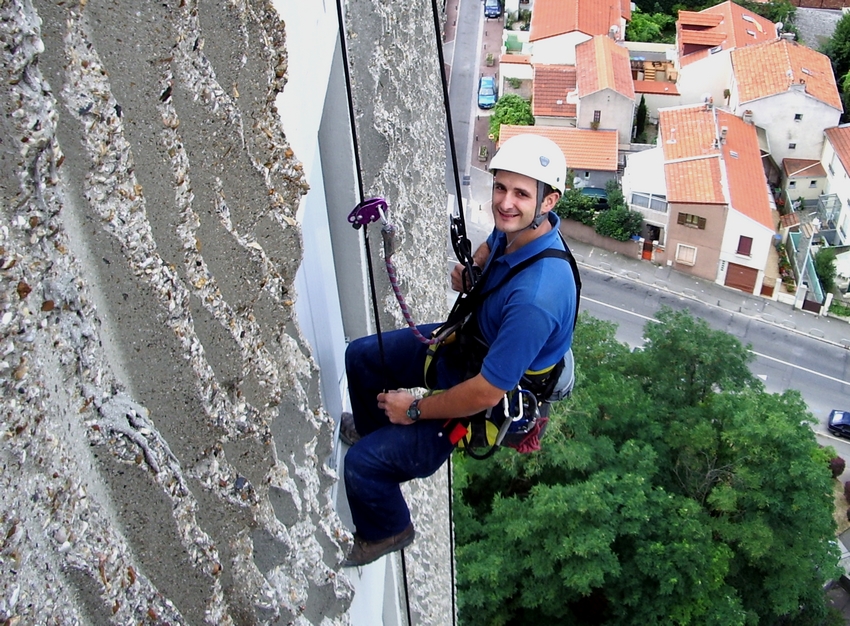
[[413, 412]]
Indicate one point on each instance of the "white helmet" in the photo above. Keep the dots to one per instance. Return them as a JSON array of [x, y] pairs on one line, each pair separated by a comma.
[[534, 156]]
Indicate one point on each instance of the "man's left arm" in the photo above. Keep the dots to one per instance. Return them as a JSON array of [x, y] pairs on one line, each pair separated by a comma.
[[463, 400]]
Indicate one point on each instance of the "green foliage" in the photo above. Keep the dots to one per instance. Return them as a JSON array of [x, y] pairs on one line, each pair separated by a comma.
[[618, 223], [510, 109], [615, 194], [825, 268], [839, 308], [671, 489], [652, 27], [574, 205], [837, 47], [514, 82]]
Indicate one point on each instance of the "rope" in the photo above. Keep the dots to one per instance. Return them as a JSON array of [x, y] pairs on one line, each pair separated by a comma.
[[358, 169], [405, 310]]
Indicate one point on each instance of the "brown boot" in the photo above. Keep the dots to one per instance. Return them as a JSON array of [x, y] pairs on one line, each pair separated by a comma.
[[347, 430], [365, 552]]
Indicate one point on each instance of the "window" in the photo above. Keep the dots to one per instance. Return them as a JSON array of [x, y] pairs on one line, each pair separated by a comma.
[[649, 201], [792, 146], [798, 117], [792, 184], [586, 175], [813, 184], [597, 116], [686, 255], [745, 246], [693, 221]]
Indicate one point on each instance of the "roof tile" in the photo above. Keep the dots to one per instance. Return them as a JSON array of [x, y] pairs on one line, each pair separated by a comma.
[[839, 137], [808, 168], [773, 67], [583, 149], [551, 18], [551, 85], [727, 25], [602, 64]]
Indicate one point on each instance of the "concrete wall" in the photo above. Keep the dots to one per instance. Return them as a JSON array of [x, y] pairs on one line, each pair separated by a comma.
[[164, 441]]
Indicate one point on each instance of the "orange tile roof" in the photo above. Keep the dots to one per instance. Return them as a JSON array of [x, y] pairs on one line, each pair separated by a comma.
[[520, 59], [551, 18], [660, 87], [602, 64], [713, 157], [687, 132], [699, 19], [727, 25], [583, 149], [694, 182], [839, 137], [551, 85], [744, 169], [770, 68], [808, 168]]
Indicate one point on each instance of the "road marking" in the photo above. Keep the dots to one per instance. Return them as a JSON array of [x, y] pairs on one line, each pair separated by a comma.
[[759, 354], [801, 368]]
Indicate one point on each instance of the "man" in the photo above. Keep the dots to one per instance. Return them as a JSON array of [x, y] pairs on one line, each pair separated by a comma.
[[527, 322]]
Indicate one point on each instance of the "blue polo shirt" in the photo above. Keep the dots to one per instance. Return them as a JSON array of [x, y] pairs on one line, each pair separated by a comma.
[[528, 321]]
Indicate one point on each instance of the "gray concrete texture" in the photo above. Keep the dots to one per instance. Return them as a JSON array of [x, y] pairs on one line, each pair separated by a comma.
[[162, 435]]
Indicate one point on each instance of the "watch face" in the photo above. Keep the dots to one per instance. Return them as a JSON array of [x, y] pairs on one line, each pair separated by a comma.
[[413, 411]]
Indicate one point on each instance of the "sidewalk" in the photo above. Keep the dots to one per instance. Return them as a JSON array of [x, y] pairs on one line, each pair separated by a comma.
[[830, 329]]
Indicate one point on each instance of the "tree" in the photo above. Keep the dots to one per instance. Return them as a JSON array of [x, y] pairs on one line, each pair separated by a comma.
[[837, 47], [654, 27], [619, 223], [671, 488], [825, 268], [574, 205], [510, 109]]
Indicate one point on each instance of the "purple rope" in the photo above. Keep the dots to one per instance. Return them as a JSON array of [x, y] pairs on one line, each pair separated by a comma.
[[405, 310]]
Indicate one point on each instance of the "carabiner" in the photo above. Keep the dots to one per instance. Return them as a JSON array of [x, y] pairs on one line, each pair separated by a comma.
[[368, 211]]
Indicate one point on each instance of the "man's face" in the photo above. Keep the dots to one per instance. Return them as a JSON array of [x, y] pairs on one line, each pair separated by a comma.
[[514, 201]]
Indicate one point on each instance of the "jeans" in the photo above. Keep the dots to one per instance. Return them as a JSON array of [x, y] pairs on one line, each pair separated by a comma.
[[389, 454]]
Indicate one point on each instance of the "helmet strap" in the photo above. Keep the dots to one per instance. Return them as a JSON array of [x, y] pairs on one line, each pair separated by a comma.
[[538, 216]]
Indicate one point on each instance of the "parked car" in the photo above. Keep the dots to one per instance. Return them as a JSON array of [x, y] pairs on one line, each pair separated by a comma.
[[492, 8], [839, 423], [599, 195], [487, 93]]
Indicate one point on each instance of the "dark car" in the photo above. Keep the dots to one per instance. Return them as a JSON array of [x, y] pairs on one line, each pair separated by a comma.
[[839, 423], [487, 92], [492, 8]]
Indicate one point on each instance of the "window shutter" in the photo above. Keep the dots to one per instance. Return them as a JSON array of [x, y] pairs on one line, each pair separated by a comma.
[[701, 223], [681, 219], [745, 245]]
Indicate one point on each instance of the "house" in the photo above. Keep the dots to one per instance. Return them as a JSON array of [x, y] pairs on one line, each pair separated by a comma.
[[803, 181], [558, 26], [835, 204], [790, 91], [590, 154], [554, 95], [705, 41], [719, 223], [606, 92]]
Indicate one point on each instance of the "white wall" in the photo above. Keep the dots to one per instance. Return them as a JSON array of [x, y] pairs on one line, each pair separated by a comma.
[[710, 75], [617, 113], [560, 50], [776, 115], [738, 224], [838, 183]]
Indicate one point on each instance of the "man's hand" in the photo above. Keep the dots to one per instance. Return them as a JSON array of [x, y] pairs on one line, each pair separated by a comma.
[[460, 279], [395, 404]]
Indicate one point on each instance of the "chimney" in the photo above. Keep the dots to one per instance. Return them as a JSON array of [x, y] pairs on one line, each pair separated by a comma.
[[747, 116], [723, 131], [787, 36]]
